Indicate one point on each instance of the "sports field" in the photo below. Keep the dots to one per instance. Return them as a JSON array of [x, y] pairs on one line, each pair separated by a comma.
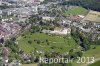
[[76, 11]]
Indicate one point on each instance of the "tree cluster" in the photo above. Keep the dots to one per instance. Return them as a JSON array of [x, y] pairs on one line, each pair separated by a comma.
[[89, 4]]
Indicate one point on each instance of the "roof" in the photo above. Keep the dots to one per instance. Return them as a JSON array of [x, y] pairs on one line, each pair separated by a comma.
[[92, 16]]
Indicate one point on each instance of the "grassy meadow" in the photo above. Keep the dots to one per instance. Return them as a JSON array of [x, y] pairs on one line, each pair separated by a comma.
[[76, 11], [59, 43], [90, 53], [97, 63]]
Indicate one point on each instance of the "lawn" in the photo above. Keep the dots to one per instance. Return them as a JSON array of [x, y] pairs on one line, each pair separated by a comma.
[[76, 11], [58, 42]]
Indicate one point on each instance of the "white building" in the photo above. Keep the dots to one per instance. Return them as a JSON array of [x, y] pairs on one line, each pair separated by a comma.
[[63, 31]]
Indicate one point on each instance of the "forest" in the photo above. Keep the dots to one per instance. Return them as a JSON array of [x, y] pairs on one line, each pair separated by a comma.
[[88, 4]]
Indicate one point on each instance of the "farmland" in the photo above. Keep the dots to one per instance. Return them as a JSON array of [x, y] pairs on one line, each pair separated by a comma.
[[93, 18]]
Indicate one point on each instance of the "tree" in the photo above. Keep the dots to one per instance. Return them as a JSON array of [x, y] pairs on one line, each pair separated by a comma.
[[36, 59], [30, 42], [3, 6], [85, 43], [11, 44], [38, 41], [46, 40], [79, 53], [13, 38]]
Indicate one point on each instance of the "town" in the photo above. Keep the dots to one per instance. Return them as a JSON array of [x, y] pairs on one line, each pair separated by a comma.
[[30, 29]]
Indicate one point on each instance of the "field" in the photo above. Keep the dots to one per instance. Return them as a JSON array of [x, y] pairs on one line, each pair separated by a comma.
[[93, 18], [58, 43], [95, 64], [76, 11], [90, 53]]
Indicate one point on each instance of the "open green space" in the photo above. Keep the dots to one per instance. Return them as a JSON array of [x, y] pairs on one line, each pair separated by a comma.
[[76, 11], [90, 53], [95, 64], [58, 43]]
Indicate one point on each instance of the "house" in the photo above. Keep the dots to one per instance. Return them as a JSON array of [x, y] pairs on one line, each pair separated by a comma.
[[1, 13], [47, 18], [87, 30], [8, 29], [65, 22], [9, 13], [76, 18], [35, 9], [42, 7], [46, 31], [5, 62], [5, 51], [15, 63]]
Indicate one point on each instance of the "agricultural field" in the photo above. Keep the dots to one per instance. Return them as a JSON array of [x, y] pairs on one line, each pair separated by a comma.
[[76, 11], [93, 18], [46, 43]]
